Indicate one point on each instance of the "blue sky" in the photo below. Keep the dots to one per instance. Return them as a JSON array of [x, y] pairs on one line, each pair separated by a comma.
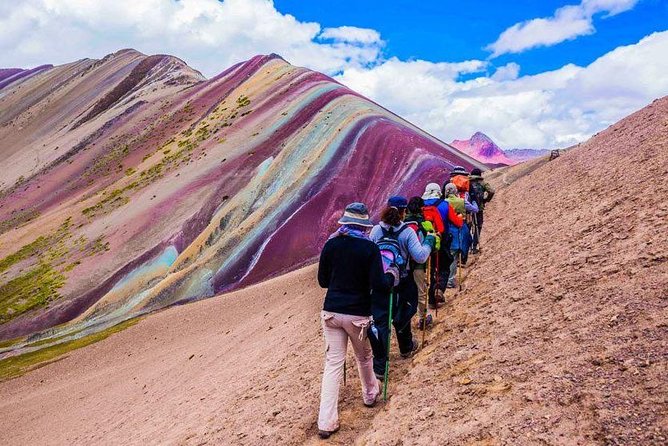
[[460, 30], [528, 73]]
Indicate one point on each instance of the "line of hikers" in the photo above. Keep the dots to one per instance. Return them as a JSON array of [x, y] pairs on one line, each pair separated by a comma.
[[387, 275]]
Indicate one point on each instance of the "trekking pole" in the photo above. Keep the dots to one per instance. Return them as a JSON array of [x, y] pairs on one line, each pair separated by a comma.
[[386, 376], [426, 299], [459, 268], [436, 279], [345, 374]]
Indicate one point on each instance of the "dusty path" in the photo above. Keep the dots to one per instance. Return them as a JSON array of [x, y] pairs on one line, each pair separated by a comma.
[[236, 369]]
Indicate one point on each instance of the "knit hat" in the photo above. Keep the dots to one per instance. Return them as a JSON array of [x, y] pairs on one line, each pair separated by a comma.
[[432, 190], [458, 170], [356, 214], [450, 189], [398, 202]]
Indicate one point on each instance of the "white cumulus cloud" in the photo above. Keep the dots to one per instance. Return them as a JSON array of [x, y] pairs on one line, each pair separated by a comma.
[[552, 109], [568, 22], [208, 34], [448, 99]]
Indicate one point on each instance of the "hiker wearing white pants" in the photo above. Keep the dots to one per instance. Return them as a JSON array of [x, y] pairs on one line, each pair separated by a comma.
[[338, 328], [350, 267]]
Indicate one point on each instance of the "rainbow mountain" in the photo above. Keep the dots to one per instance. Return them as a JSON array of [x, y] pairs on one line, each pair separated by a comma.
[[132, 183]]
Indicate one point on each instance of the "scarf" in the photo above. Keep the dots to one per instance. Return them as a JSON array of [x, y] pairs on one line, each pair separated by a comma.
[[350, 231]]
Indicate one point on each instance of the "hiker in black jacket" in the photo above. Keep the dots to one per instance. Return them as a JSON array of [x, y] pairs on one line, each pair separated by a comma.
[[350, 268]]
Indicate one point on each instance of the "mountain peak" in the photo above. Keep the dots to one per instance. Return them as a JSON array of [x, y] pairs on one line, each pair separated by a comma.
[[482, 148]]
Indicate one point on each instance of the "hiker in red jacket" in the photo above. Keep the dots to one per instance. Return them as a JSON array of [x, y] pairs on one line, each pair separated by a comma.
[[432, 197]]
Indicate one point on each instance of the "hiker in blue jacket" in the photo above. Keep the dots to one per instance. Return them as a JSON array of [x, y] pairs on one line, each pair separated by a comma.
[[432, 197], [405, 292]]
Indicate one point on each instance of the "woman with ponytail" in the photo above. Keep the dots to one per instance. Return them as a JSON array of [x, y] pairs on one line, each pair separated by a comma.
[[392, 228]]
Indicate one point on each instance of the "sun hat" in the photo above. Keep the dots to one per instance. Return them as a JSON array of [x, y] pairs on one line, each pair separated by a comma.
[[450, 189], [356, 214], [476, 174], [458, 170], [398, 202], [433, 190]]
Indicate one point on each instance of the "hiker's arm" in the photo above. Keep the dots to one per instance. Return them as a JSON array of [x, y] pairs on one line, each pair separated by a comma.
[[324, 267], [375, 233], [419, 251], [471, 207], [454, 217]]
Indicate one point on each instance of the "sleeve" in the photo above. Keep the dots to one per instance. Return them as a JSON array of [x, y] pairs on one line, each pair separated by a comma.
[[418, 251], [325, 266], [375, 234], [377, 277], [471, 207], [454, 218]]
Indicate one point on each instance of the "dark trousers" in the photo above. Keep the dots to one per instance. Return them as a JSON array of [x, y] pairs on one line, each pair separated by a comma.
[[441, 277], [476, 233], [404, 300]]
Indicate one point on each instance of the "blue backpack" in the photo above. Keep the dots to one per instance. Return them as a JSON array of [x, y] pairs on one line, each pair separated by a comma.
[[390, 250]]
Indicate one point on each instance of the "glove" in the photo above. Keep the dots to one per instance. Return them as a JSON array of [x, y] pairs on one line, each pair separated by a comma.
[[392, 273], [430, 240]]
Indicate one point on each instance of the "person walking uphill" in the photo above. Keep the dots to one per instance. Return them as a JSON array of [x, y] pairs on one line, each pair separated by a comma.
[[392, 229], [449, 217], [481, 192], [350, 268], [460, 235]]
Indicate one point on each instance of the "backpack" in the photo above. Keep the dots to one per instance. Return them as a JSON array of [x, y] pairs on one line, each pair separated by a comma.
[[432, 214], [477, 193], [390, 250], [461, 182]]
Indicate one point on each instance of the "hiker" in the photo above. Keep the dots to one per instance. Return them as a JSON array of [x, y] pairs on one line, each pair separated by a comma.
[[460, 178], [350, 267], [460, 235], [393, 232], [432, 198], [416, 221], [481, 192]]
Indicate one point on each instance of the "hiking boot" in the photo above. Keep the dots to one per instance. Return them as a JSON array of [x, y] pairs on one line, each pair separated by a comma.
[[436, 305], [414, 349], [450, 285], [326, 434], [380, 376], [425, 322], [439, 296], [475, 251], [373, 403]]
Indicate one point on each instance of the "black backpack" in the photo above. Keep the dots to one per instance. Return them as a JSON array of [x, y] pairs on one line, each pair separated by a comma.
[[477, 193]]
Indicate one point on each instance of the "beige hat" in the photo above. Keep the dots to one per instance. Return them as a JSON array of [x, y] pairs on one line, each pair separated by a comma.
[[433, 190]]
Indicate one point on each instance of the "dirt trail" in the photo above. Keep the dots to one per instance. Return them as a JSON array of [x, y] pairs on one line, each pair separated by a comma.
[[241, 368]]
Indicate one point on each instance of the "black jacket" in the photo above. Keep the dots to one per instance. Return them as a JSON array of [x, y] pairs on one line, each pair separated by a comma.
[[350, 268]]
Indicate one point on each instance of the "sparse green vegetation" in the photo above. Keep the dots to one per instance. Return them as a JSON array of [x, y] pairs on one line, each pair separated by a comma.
[[129, 171], [243, 101], [25, 252], [18, 365], [31, 290]]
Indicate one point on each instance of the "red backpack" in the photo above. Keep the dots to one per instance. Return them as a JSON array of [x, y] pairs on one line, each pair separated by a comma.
[[432, 214]]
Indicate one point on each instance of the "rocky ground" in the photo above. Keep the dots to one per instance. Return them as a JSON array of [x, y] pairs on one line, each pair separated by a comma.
[[559, 337]]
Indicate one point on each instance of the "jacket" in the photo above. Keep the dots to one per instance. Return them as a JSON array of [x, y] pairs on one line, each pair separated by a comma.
[[448, 213], [410, 245], [350, 268]]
